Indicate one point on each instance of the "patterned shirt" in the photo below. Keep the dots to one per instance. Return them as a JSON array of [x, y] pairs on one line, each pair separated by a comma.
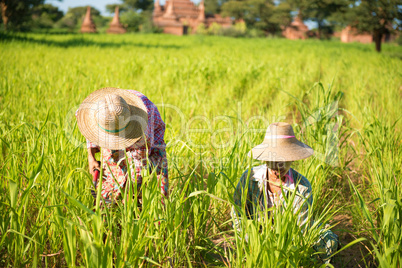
[[255, 202], [114, 162]]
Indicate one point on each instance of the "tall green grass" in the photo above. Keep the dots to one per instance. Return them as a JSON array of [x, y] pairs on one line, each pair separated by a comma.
[[217, 96]]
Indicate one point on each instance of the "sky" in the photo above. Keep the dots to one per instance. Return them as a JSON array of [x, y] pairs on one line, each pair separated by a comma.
[[98, 4], [101, 6]]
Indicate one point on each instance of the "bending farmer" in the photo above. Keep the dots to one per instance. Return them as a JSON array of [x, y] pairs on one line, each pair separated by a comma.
[[123, 122], [268, 182]]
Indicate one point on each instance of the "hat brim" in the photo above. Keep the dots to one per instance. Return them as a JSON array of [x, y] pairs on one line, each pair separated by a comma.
[[296, 150], [133, 132]]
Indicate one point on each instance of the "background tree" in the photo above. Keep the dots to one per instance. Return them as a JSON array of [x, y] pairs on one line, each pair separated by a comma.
[[319, 11], [16, 14], [139, 5], [213, 6], [136, 15], [264, 15], [75, 16], [282, 16], [378, 17], [111, 8], [129, 17], [131, 20], [235, 9], [45, 16]]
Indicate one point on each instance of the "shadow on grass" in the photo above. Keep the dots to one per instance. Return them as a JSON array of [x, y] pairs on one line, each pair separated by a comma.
[[80, 41]]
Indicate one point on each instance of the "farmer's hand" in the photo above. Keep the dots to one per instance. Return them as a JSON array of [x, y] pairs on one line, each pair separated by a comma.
[[93, 164]]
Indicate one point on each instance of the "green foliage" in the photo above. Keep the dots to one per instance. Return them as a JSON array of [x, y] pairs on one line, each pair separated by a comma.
[[399, 40], [374, 16], [239, 29], [16, 14], [384, 224], [323, 12], [75, 16], [147, 25], [111, 8], [136, 15], [260, 14], [45, 15], [131, 20], [139, 4], [213, 6], [201, 29], [281, 14], [235, 9], [214, 29]]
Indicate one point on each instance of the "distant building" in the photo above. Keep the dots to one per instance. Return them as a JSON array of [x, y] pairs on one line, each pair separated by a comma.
[[296, 30], [115, 26], [88, 25], [182, 17], [350, 34]]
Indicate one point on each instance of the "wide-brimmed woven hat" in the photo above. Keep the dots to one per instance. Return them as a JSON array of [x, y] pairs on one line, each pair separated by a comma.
[[112, 118], [281, 145]]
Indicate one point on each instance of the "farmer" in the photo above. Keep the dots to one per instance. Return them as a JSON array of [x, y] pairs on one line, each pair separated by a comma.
[[121, 121], [268, 182]]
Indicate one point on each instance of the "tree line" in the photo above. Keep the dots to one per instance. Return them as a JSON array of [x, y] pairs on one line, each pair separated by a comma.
[[35, 15], [377, 17]]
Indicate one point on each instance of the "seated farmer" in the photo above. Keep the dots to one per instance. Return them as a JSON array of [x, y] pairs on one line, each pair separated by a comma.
[[123, 121], [279, 149]]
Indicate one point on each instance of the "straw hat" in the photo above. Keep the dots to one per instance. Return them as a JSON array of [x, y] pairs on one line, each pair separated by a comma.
[[281, 145], [112, 118]]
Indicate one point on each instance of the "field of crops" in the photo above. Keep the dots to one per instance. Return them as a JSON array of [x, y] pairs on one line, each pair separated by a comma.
[[217, 96]]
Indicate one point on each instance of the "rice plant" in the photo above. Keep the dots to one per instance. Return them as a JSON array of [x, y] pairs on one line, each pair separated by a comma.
[[217, 96]]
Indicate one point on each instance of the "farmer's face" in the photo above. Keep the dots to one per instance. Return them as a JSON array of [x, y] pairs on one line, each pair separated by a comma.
[[280, 168]]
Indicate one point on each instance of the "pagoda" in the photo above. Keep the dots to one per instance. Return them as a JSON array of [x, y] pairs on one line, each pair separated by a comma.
[[115, 26], [88, 26], [350, 34], [296, 30], [181, 17]]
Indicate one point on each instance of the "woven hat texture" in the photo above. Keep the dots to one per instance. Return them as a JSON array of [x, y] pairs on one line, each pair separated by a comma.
[[112, 118], [281, 145]]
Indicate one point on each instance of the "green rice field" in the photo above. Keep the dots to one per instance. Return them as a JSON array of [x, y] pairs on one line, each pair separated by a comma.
[[217, 96]]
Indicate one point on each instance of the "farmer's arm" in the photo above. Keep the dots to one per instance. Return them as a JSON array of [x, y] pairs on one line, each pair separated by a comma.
[[92, 162], [92, 150], [239, 203], [304, 202]]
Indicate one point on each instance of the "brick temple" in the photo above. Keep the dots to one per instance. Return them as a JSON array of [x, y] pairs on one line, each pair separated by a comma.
[[182, 17], [296, 30], [350, 34], [115, 26], [88, 25]]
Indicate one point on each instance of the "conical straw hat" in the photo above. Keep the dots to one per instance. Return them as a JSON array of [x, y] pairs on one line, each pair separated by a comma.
[[112, 118], [281, 145]]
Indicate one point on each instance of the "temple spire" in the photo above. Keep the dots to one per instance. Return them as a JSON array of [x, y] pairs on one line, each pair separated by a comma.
[[115, 25], [88, 26], [157, 9], [201, 14], [169, 10]]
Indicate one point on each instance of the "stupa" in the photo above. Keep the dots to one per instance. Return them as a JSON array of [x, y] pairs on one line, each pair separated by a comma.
[[296, 30], [181, 17], [88, 26], [115, 26]]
